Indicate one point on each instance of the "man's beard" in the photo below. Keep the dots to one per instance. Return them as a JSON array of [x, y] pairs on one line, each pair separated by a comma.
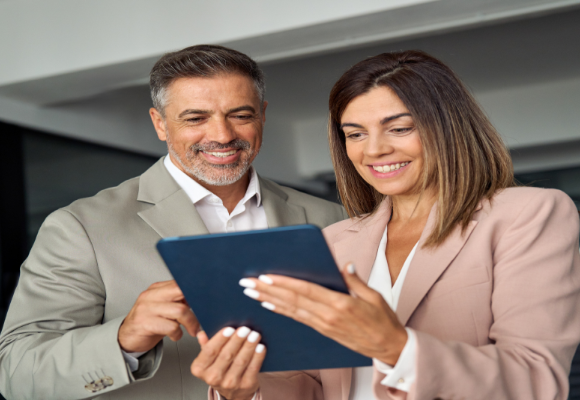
[[215, 174]]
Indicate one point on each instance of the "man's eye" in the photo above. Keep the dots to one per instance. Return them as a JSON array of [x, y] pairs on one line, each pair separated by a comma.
[[243, 116], [195, 119]]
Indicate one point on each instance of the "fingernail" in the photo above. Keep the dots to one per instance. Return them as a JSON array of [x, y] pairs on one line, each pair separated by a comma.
[[266, 279], [253, 337], [229, 331], [247, 283], [350, 268], [254, 294], [268, 306], [243, 331], [260, 348]]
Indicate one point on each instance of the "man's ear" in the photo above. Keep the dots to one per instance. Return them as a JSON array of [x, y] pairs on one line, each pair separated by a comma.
[[158, 123], [264, 105]]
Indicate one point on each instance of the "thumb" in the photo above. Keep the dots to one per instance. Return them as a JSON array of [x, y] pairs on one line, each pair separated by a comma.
[[202, 338], [356, 286]]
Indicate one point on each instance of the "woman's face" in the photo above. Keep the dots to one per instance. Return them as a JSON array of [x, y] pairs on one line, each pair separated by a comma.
[[382, 142]]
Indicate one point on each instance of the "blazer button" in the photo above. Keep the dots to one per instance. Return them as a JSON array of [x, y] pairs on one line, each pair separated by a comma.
[[99, 384]]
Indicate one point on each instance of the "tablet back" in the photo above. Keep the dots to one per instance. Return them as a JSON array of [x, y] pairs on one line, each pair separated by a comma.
[[207, 269]]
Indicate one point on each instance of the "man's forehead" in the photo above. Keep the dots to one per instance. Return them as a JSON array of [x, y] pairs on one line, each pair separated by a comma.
[[222, 87]]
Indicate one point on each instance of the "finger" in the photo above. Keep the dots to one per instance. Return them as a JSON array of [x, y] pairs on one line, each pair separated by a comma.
[[356, 285], [278, 285], [251, 373], [164, 291], [294, 305], [230, 350], [238, 367], [202, 338], [211, 350]]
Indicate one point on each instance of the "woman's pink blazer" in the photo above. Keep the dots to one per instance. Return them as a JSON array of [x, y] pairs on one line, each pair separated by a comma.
[[496, 308]]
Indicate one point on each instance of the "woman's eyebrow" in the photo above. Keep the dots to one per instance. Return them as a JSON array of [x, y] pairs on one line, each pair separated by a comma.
[[392, 117], [383, 121]]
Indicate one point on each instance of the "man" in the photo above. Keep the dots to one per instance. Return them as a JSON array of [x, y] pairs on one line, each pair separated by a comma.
[[95, 311]]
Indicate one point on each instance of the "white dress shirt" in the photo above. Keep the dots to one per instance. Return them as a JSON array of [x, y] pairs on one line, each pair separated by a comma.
[[402, 375], [249, 214]]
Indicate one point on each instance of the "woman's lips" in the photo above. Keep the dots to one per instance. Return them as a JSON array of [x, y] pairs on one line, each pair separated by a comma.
[[388, 171]]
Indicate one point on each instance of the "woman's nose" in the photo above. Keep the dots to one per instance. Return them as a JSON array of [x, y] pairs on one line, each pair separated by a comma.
[[378, 145]]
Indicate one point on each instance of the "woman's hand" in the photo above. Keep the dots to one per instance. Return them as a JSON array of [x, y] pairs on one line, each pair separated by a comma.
[[363, 322], [230, 362]]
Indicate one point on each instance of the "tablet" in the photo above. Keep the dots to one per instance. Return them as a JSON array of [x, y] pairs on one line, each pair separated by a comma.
[[208, 268]]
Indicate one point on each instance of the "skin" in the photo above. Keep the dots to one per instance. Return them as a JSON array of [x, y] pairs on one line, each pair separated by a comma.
[[379, 131], [204, 111], [199, 111]]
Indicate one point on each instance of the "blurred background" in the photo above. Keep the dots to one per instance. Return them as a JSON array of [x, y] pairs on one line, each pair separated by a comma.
[[74, 94]]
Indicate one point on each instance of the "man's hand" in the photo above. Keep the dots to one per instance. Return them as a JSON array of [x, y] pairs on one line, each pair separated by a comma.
[[158, 312], [230, 362]]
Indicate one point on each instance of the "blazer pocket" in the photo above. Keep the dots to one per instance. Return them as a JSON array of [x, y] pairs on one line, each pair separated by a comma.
[[465, 279]]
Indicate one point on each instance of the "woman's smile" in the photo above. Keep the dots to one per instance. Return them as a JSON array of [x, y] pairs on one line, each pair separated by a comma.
[[382, 142]]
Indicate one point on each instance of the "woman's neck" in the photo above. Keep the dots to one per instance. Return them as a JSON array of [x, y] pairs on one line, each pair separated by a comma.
[[407, 208]]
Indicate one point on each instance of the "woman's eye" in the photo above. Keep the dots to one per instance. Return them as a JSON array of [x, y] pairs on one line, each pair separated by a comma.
[[355, 135], [401, 131]]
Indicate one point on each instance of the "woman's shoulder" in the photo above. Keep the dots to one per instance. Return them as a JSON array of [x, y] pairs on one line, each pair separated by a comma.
[[530, 196], [530, 203]]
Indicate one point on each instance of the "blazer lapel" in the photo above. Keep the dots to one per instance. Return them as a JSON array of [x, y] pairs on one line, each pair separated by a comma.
[[171, 213], [279, 212], [427, 265], [366, 234]]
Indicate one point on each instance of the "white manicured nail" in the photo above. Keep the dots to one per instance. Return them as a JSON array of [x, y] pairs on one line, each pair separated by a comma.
[[266, 279], [247, 283], [268, 306], [260, 348], [253, 337], [350, 268], [229, 331], [243, 331], [254, 294]]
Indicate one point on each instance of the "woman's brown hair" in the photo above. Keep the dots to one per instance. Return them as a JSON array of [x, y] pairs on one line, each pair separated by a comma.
[[465, 158]]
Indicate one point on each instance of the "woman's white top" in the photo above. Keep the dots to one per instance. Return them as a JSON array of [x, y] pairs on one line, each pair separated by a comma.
[[402, 375]]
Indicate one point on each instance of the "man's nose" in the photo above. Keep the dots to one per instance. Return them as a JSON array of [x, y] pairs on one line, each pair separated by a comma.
[[220, 131]]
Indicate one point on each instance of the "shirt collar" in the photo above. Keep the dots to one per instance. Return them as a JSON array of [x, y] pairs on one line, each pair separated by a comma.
[[196, 192]]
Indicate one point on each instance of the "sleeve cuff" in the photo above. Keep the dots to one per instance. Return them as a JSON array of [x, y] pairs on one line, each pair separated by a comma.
[[132, 359], [402, 375], [219, 397]]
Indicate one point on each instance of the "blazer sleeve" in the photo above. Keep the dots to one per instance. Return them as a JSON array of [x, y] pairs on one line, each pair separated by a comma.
[[53, 342], [536, 317]]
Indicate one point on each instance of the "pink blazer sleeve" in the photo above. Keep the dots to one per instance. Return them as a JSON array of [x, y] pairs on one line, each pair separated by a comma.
[[536, 316]]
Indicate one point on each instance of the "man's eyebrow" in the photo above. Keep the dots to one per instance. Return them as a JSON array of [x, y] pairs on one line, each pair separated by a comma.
[[242, 108], [193, 111], [383, 121]]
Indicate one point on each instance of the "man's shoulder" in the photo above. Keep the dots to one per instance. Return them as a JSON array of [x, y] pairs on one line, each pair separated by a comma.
[[110, 201], [319, 211]]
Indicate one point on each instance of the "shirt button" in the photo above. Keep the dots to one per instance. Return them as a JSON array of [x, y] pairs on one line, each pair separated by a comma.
[[401, 380], [230, 224]]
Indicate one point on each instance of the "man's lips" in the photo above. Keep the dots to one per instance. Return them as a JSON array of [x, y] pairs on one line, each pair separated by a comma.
[[221, 156]]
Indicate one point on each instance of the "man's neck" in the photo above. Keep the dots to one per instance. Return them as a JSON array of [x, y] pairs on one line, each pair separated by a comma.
[[230, 195]]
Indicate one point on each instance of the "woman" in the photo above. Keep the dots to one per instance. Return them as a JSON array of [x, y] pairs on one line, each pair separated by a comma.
[[473, 284]]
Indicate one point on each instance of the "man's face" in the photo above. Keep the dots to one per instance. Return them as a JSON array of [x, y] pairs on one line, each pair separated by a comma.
[[212, 126]]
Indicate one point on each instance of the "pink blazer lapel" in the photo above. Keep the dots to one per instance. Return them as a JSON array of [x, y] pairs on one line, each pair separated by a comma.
[[428, 264], [360, 241]]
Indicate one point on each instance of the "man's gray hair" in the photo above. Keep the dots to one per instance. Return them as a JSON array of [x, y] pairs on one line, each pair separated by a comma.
[[201, 61]]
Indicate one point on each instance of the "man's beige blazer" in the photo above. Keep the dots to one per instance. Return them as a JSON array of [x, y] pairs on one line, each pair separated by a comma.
[[89, 263], [496, 309]]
